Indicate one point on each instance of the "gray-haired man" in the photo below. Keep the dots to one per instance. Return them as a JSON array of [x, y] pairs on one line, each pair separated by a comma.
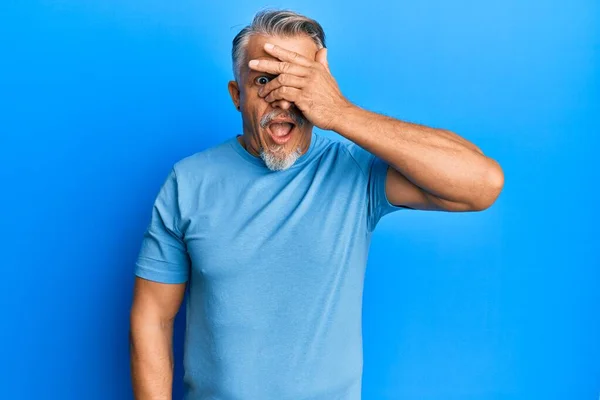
[[270, 230]]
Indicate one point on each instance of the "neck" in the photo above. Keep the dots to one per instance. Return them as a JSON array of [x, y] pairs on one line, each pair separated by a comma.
[[243, 143]]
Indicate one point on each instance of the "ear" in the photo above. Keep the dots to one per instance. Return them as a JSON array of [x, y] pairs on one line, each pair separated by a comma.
[[321, 57], [234, 92]]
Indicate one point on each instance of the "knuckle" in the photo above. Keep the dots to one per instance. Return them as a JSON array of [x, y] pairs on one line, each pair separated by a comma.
[[282, 79]]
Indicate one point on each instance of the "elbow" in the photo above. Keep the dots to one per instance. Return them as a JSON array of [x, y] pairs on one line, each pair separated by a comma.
[[491, 188]]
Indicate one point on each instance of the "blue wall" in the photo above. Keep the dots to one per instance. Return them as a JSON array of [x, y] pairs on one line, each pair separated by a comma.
[[99, 98]]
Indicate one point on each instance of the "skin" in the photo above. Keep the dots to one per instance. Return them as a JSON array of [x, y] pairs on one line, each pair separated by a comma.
[[253, 107], [153, 312]]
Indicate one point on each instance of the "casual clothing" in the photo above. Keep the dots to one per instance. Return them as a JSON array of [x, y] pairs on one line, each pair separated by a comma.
[[275, 262]]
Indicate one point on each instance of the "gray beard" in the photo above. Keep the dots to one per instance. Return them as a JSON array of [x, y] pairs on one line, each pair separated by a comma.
[[275, 162]]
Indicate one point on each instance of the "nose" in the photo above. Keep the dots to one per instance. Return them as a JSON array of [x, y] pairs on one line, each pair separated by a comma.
[[283, 104]]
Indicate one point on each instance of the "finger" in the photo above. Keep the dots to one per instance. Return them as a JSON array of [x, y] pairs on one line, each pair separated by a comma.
[[278, 67], [287, 55], [284, 93], [282, 80]]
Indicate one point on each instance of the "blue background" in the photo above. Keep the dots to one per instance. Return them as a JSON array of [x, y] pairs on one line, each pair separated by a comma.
[[99, 98]]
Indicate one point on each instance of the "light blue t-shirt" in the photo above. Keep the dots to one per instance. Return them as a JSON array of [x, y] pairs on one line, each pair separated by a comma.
[[275, 262]]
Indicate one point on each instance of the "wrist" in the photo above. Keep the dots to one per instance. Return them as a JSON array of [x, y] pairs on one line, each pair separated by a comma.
[[342, 114]]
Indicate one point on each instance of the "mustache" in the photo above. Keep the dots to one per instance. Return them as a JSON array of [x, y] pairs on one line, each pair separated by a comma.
[[265, 120]]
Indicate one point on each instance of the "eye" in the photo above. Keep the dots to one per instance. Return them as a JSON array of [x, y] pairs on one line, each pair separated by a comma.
[[262, 80]]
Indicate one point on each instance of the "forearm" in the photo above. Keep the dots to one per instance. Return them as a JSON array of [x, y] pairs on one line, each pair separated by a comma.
[[151, 351], [438, 161]]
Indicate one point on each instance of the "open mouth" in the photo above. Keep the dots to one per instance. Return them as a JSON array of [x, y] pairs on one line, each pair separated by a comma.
[[281, 132]]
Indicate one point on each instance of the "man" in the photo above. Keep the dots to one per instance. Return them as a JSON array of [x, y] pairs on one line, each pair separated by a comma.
[[270, 229]]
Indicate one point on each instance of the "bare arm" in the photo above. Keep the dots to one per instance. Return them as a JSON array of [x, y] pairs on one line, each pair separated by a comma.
[[433, 169], [153, 311]]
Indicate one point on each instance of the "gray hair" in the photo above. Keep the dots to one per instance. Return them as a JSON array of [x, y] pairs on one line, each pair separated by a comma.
[[285, 23]]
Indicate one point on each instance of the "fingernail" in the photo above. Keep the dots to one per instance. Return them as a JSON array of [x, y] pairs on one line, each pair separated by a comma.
[[253, 63], [269, 46]]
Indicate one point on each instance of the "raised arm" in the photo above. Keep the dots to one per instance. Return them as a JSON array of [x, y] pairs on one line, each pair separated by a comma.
[[432, 169], [151, 337]]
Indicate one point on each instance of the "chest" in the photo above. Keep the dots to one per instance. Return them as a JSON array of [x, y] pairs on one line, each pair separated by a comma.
[[304, 224]]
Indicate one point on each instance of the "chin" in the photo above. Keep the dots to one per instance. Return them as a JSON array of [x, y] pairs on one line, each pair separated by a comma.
[[279, 157]]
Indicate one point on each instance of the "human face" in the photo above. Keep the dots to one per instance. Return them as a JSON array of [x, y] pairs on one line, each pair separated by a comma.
[[276, 131]]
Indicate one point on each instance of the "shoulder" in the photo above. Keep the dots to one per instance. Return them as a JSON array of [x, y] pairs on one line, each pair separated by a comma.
[[347, 153], [204, 161], [361, 157]]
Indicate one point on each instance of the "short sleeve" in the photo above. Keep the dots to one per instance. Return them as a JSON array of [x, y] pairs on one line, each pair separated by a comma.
[[379, 205], [375, 170], [163, 256]]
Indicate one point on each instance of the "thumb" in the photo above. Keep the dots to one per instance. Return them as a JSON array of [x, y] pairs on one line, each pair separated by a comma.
[[321, 58]]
